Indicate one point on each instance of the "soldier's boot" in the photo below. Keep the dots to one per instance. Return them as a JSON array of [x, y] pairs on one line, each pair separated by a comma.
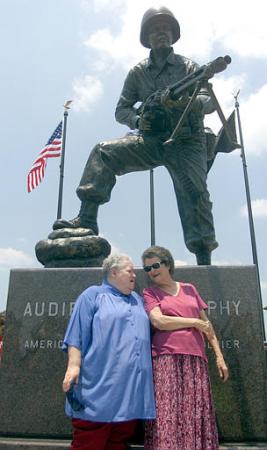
[[86, 218], [203, 257]]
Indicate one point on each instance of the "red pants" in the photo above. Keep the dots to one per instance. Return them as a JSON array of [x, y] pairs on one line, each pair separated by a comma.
[[102, 435]]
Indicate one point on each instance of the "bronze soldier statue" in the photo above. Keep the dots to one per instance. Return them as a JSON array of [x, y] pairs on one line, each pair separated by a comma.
[[185, 160]]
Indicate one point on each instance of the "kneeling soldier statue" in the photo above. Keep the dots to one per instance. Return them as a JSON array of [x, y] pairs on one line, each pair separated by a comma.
[[185, 158]]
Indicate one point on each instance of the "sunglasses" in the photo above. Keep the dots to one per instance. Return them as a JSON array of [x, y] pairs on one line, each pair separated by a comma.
[[73, 401], [156, 265]]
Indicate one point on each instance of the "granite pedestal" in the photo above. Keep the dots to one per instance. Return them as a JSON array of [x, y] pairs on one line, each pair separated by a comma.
[[39, 306]]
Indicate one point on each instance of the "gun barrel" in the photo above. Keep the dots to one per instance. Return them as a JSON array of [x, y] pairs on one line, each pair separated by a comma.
[[202, 73], [219, 64]]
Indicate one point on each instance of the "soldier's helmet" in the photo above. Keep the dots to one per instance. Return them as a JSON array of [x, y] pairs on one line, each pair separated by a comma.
[[154, 13]]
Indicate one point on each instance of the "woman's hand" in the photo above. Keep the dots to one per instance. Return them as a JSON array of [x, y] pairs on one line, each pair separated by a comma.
[[71, 375], [73, 369], [222, 369], [205, 327]]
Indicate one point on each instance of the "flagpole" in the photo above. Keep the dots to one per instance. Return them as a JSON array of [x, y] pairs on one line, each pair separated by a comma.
[[152, 208], [250, 215], [62, 161]]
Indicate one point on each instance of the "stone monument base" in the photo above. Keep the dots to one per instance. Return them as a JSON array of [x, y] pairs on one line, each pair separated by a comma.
[[40, 302]]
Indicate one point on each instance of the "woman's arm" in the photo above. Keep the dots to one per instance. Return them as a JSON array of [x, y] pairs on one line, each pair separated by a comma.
[[171, 323], [73, 369], [222, 367]]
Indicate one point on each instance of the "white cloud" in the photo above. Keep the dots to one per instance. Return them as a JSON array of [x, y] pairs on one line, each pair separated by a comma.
[[245, 30], [264, 284], [10, 257], [100, 5], [87, 91], [236, 28], [224, 89], [253, 121], [121, 49], [179, 262], [259, 208], [113, 51], [115, 7], [115, 249], [251, 110], [225, 262]]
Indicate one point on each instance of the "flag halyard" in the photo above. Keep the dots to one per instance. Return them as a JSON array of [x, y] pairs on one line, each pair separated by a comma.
[[51, 150]]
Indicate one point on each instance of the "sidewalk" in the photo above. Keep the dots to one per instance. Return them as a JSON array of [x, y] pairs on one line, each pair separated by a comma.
[[50, 444]]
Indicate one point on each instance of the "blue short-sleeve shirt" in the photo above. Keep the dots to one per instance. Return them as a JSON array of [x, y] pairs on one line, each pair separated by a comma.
[[112, 332]]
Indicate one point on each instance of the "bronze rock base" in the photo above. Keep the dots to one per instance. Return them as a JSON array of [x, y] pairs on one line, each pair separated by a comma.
[[72, 248]]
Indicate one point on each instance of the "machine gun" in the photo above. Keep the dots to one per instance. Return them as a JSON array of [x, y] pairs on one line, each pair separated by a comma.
[[155, 109], [204, 73], [199, 79]]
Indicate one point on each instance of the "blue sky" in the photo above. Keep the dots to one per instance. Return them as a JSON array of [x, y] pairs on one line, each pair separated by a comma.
[[81, 50]]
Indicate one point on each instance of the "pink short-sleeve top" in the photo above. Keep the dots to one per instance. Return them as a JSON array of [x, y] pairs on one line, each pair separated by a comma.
[[187, 303]]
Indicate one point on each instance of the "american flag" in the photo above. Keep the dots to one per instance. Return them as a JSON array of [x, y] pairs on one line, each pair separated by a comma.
[[51, 150]]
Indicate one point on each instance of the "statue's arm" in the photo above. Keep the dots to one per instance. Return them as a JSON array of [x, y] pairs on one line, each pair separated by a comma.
[[126, 113], [208, 106]]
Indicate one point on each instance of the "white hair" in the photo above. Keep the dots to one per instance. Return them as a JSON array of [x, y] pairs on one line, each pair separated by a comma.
[[114, 260]]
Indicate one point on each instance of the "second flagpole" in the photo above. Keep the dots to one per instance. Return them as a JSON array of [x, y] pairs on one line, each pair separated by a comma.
[[249, 207], [62, 161]]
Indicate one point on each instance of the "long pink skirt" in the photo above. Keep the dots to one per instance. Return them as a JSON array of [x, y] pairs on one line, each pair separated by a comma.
[[185, 413]]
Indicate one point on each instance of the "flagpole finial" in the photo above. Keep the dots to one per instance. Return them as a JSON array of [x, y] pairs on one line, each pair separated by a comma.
[[236, 94], [67, 104]]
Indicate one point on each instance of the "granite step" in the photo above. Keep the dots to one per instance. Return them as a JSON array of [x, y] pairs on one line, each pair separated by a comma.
[[52, 444], [41, 444]]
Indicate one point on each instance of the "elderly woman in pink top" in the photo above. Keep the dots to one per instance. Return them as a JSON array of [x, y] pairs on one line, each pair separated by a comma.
[[185, 412]]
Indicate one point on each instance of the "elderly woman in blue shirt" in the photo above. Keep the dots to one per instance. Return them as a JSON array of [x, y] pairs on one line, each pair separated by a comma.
[[108, 380]]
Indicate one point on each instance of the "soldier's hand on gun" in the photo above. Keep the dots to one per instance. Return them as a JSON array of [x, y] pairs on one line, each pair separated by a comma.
[[144, 124], [169, 102], [181, 102]]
